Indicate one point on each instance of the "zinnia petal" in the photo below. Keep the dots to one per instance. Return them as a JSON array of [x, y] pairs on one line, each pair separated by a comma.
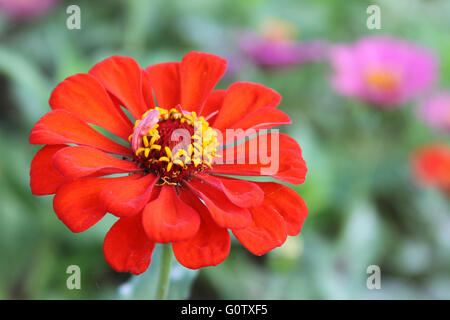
[[82, 95], [126, 246], [77, 203], [44, 178], [122, 77], [287, 203], [266, 232], [242, 193], [147, 92], [223, 211], [60, 126], [213, 105], [168, 218], [80, 161], [242, 98], [200, 72], [263, 118], [260, 156], [127, 198], [165, 79], [210, 245]]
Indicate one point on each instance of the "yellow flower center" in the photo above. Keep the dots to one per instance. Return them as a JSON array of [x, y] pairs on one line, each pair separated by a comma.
[[384, 80], [173, 144]]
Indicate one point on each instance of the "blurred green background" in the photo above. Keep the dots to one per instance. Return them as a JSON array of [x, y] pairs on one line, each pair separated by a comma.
[[364, 208]]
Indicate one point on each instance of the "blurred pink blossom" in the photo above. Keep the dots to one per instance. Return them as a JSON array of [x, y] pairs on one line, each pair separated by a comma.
[[275, 45], [281, 53], [436, 111], [23, 9], [383, 71]]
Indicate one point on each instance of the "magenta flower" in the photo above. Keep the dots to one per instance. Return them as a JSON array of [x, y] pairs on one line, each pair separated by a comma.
[[436, 111], [275, 46], [383, 71], [280, 53], [23, 9]]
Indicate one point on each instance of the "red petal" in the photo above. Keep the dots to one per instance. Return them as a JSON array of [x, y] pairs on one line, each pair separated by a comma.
[[212, 105], [168, 219], [77, 203], [209, 247], [267, 231], [165, 79], [200, 73], [122, 77], [77, 162], [84, 96], [147, 91], [242, 98], [128, 198], [60, 126], [242, 193], [44, 179], [223, 211], [263, 118], [287, 203], [257, 157], [127, 247]]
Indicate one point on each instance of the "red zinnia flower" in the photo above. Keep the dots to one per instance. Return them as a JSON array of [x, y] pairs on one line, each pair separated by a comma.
[[431, 166], [169, 191]]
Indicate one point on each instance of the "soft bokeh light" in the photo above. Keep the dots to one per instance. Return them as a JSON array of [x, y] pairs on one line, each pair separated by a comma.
[[24, 9], [436, 111]]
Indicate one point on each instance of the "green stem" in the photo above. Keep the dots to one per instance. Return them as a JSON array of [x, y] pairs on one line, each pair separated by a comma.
[[164, 272]]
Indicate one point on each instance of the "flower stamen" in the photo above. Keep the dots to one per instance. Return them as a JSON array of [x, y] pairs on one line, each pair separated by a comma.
[[173, 161], [382, 80]]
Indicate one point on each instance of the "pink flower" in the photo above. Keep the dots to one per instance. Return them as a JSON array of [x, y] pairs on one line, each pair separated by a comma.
[[22, 9], [436, 111], [275, 46], [281, 53], [383, 71]]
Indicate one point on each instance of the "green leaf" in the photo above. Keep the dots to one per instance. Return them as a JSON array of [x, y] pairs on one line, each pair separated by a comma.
[[32, 87]]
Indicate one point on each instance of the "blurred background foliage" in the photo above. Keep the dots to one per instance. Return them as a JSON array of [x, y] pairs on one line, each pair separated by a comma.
[[364, 207]]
